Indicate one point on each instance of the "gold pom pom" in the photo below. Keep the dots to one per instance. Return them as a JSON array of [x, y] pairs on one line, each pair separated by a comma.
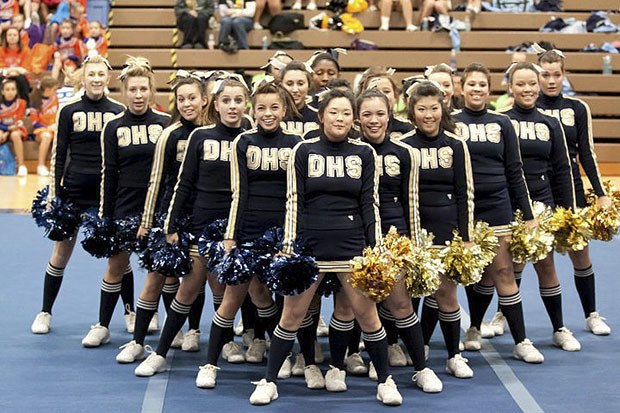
[[531, 244], [464, 266], [604, 222], [571, 229], [374, 274], [421, 266]]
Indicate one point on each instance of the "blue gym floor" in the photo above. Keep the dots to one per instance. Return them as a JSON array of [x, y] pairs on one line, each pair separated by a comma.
[[54, 373]]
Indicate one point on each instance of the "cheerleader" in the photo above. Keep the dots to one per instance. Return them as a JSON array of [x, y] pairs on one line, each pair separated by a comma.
[[398, 200], [127, 147], [332, 177], [258, 180], [12, 113], [498, 176], [203, 187], [446, 200], [76, 178], [576, 119], [296, 79], [543, 148], [325, 67], [191, 100]]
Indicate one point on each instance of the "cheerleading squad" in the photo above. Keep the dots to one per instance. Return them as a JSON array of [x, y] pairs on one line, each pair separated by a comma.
[[276, 210]]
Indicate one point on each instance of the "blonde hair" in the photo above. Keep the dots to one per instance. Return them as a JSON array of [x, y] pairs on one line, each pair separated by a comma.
[[137, 67]]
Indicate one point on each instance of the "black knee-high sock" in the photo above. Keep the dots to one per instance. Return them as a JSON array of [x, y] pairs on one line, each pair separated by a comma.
[[127, 290], [388, 321], [354, 341], [51, 286], [552, 298], [109, 297], [450, 324], [376, 346], [144, 312], [168, 293], [415, 302], [281, 345], [478, 299], [584, 281], [195, 313], [518, 276], [221, 333], [339, 334], [248, 314], [513, 311], [217, 301], [411, 332], [175, 320], [315, 312], [266, 320], [430, 316], [306, 335]]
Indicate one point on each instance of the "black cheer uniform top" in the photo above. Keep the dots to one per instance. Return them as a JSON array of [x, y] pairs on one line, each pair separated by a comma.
[[307, 120], [399, 126]]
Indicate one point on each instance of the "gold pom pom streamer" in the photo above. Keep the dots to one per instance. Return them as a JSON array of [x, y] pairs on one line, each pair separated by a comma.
[[604, 222], [420, 264], [531, 244], [374, 274], [571, 230]]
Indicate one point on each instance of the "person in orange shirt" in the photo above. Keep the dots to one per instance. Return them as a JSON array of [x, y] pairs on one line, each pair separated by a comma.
[[67, 43], [18, 21], [96, 40], [43, 114], [8, 10], [16, 61], [12, 112]]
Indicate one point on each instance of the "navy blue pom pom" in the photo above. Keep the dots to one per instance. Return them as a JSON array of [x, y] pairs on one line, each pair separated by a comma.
[[234, 268], [329, 285], [60, 221], [170, 260], [126, 234], [262, 251], [210, 240], [99, 236], [292, 275]]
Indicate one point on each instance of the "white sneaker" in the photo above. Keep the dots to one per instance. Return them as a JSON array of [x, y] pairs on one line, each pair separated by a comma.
[[264, 393], [486, 331], [191, 341], [22, 170], [388, 394], [412, 28], [319, 357], [362, 346], [596, 324], [299, 366], [384, 27], [564, 339], [42, 170], [396, 355], [257, 26], [232, 352], [372, 372], [473, 339], [42, 323], [461, 345], [130, 322], [335, 379], [285, 370], [498, 323], [311, 6], [130, 352], [296, 5], [427, 352], [322, 330], [238, 329], [256, 351], [154, 324], [153, 364], [428, 381], [314, 377], [248, 338], [355, 364], [97, 335], [178, 340], [457, 366], [526, 351], [206, 376]]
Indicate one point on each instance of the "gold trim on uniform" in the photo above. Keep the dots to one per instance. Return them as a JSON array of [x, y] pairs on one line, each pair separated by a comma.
[[414, 189], [334, 266], [501, 230], [193, 251], [469, 178]]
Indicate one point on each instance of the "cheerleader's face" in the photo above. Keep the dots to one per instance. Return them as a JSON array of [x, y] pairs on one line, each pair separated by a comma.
[[476, 90], [296, 82], [9, 91], [385, 86], [446, 84], [96, 78], [230, 104], [324, 71], [524, 88], [12, 37], [551, 78], [374, 119], [427, 112], [269, 111], [190, 102], [138, 94], [337, 119]]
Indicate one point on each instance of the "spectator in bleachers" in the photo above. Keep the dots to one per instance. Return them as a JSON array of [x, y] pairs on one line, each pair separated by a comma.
[[12, 112], [18, 22], [236, 22], [193, 20], [15, 60], [474, 6], [275, 7], [68, 76], [44, 105], [405, 6], [67, 43], [73, 10], [440, 7], [77, 14], [96, 42], [8, 10], [311, 5]]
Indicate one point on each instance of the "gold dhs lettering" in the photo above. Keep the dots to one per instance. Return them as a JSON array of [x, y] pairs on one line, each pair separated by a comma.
[[90, 121], [267, 159], [138, 134], [334, 166], [479, 132]]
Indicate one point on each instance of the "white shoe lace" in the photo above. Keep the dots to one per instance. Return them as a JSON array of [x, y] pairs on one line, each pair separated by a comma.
[[131, 343], [208, 367]]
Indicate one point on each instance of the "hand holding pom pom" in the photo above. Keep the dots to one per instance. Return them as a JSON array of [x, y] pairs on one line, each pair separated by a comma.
[[292, 275], [571, 230], [374, 274], [531, 241], [59, 219]]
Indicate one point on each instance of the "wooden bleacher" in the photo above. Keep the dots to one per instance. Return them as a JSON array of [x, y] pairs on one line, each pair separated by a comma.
[[145, 27]]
